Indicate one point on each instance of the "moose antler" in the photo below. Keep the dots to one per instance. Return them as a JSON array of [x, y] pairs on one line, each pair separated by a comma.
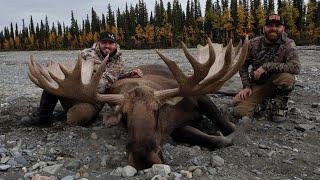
[[75, 82], [199, 83]]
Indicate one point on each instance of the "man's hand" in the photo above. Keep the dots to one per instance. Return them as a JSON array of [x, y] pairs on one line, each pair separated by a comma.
[[243, 94], [257, 73], [137, 73]]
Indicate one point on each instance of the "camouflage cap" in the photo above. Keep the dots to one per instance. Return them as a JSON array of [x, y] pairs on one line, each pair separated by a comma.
[[275, 18]]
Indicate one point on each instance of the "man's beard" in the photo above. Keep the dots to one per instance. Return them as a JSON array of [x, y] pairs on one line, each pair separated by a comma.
[[272, 37]]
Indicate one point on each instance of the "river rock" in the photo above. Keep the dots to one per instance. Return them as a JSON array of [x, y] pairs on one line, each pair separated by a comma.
[[128, 171], [216, 161], [161, 169]]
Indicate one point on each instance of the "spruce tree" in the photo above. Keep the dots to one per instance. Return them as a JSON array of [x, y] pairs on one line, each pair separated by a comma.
[[31, 27], [11, 31], [95, 22], [111, 19]]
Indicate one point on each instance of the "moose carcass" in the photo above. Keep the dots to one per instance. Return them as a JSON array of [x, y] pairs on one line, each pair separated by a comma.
[[142, 101]]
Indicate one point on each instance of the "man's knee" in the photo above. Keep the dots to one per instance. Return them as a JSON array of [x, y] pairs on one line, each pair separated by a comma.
[[284, 79]]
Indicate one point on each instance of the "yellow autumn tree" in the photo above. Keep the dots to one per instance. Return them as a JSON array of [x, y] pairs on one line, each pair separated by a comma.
[[52, 40], [81, 41], [241, 31], [149, 35], [59, 42], [89, 38], [95, 37], [17, 42], [31, 40], [226, 21], [290, 14], [6, 45], [310, 32], [250, 23], [11, 42], [139, 36], [261, 17]]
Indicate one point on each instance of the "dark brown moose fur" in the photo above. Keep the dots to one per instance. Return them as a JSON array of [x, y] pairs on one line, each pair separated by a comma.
[[151, 122]]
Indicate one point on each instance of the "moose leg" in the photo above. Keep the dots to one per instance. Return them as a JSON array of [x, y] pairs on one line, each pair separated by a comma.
[[209, 109], [189, 134], [81, 113]]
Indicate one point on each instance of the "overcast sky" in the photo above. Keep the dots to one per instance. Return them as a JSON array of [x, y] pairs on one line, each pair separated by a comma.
[[60, 10]]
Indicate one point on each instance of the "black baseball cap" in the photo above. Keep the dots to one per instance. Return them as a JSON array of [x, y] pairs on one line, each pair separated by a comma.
[[275, 18], [107, 36]]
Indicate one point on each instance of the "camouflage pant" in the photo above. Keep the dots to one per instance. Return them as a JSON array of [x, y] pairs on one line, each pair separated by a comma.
[[264, 91]]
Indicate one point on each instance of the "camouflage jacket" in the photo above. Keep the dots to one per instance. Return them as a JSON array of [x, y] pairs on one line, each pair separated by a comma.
[[279, 57], [114, 69]]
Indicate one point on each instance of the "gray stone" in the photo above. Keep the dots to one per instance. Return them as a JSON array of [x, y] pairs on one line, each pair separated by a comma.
[[21, 160], [128, 171], [295, 111], [116, 172], [175, 176], [262, 146], [212, 171], [4, 167], [68, 178], [197, 173], [3, 151], [87, 159], [2, 138], [27, 152], [271, 153], [104, 159], [52, 169], [192, 168], [4, 159], [246, 152], [216, 161], [94, 136], [258, 173], [73, 165], [161, 169], [196, 161], [186, 174], [315, 105], [317, 171], [12, 163], [313, 118], [287, 162], [110, 147], [304, 127], [195, 150], [28, 175], [158, 177], [53, 178]]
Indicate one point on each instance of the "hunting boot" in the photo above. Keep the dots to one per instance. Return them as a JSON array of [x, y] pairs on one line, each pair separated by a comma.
[[260, 111], [279, 107], [43, 115]]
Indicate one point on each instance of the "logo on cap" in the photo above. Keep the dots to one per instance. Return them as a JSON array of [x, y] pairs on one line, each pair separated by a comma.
[[275, 18]]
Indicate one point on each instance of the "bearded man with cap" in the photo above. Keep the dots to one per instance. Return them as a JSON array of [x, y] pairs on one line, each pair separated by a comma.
[[268, 74], [106, 46]]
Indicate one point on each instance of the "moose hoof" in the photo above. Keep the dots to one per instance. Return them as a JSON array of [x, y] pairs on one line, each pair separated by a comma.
[[111, 120], [80, 114]]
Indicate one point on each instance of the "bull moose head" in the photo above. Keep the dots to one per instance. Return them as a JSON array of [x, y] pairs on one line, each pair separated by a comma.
[[140, 99]]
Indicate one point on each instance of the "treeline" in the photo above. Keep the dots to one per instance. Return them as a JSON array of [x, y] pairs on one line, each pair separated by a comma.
[[168, 24]]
